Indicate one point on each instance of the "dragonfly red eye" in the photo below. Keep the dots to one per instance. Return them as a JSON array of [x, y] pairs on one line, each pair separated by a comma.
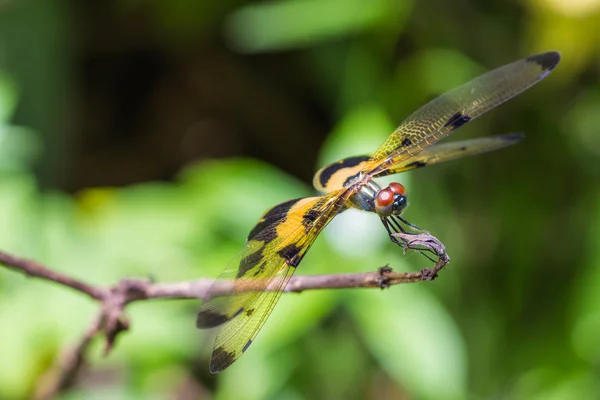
[[397, 188], [385, 197]]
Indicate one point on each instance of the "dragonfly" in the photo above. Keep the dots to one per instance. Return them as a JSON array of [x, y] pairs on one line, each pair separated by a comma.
[[281, 238]]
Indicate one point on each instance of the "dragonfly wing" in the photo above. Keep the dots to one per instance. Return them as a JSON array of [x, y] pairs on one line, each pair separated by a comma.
[[339, 174], [455, 108], [261, 271], [443, 152], [253, 308]]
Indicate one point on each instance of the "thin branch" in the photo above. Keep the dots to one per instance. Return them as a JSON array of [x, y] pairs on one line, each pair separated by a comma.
[[69, 365], [197, 289], [36, 270], [111, 319]]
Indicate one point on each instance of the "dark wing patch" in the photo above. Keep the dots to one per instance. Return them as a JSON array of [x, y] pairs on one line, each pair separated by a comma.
[[416, 164], [271, 216], [263, 235], [457, 120], [290, 254], [259, 270], [250, 261], [222, 357], [548, 61], [210, 320], [332, 176], [350, 162], [309, 218]]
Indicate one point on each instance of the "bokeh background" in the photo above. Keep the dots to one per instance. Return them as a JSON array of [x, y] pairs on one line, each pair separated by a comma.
[[145, 138]]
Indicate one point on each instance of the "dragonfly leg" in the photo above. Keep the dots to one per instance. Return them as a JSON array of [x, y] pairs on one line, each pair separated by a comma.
[[411, 225], [403, 238], [422, 242], [391, 233]]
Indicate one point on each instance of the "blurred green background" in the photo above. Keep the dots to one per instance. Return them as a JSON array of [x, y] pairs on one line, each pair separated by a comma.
[[145, 138]]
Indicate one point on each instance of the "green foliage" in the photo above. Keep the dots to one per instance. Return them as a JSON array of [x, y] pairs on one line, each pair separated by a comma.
[[515, 315], [283, 25]]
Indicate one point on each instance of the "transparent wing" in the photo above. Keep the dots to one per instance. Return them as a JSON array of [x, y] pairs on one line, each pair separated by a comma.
[[261, 272], [455, 108], [443, 152]]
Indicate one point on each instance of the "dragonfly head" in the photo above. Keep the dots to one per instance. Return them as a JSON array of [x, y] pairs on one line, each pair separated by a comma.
[[391, 200]]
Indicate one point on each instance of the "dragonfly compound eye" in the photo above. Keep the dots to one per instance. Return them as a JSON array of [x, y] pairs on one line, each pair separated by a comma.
[[400, 202], [397, 188], [384, 202], [399, 205]]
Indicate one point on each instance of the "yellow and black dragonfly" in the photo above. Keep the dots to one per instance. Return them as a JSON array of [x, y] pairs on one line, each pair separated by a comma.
[[281, 238]]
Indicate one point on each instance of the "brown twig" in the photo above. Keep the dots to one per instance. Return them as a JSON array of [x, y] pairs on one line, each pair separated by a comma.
[[197, 289], [111, 319], [36, 270], [71, 361]]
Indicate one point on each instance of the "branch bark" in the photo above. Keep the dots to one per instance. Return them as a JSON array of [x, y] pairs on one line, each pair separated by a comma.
[[111, 319], [69, 365], [36, 270]]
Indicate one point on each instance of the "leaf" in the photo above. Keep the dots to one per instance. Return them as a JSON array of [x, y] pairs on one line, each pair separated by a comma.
[[278, 25], [414, 339]]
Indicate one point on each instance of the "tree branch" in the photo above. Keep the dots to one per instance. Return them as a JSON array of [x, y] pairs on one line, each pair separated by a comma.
[[111, 319], [69, 365], [36, 270]]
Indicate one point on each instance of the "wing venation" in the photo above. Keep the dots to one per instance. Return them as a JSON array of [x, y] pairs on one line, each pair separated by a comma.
[[457, 107], [245, 293]]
